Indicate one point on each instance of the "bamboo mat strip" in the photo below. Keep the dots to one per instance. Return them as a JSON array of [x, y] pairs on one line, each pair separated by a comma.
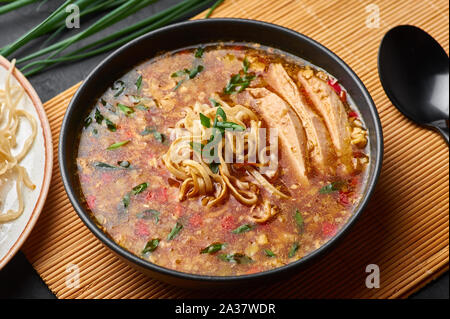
[[405, 229]]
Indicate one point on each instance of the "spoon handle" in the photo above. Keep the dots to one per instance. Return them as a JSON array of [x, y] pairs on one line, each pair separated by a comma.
[[443, 130]]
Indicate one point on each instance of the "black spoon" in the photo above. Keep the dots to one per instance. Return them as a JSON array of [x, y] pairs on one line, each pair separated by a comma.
[[414, 73]]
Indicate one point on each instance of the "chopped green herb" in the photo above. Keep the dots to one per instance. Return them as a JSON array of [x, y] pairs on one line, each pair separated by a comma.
[[242, 229], [98, 116], [230, 125], [118, 86], [299, 219], [293, 250], [142, 107], [110, 125], [178, 85], [175, 230], [206, 121], [197, 147], [246, 65], [211, 249], [332, 187], [125, 109], [140, 188], [104, 165], [220, 112], [190, 74], [135, 98], [216, 137], [214, 167], [236, 258], [151, 246], [87, 122], [110, 108], [180, 73], [94, 131], [148, 130], [148, 214], [117, 145], [238, 84], [269, 253], [107, 105], [160, 137], [124, 164], [126, 200], [196, 71], [214, 102], [199, 52], [121, 164], [146, 102], [139, 83]]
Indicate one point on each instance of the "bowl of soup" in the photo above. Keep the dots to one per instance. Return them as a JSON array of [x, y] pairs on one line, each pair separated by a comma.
[[220, 152]]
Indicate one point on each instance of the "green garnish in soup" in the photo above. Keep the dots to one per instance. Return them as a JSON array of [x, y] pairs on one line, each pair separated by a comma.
[[242, 229], [299, 219], [105, 165], [110, 125], [236, 258], [293, 250], [199, 52], [87, 122], [187, 74], [118, 87], [175, 230], [332, 187], [117, 145], [148, 214], [269, 253], [125, 109], [139, 83], [151, 246], [140, 188], [211, 249]]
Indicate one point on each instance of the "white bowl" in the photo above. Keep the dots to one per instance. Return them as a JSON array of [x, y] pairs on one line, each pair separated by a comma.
[[38, 163]]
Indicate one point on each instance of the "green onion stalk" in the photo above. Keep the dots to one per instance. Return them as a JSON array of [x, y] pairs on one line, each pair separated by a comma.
[[44, 27], [120, 9], [114, 16], [13, 5]]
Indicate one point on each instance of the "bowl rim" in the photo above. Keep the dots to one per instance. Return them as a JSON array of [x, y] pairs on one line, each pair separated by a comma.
[[124, 253]]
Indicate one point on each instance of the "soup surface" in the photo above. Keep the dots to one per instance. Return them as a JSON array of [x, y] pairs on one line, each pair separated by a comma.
[[152, 159]]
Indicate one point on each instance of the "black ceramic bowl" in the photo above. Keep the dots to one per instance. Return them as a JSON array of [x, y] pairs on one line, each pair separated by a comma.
[[194, 33]]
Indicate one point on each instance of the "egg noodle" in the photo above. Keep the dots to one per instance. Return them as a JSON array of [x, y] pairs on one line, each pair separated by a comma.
[[10, 168], [197, 176]]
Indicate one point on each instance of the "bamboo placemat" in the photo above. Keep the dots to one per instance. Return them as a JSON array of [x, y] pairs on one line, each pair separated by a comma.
[[404, 231]]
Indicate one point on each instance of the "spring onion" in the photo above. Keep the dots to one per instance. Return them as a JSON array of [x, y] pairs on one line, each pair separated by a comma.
[[117, 10], [15, 5]]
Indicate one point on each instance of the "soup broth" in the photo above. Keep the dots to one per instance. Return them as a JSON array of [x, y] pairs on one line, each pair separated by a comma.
[[221, 218]]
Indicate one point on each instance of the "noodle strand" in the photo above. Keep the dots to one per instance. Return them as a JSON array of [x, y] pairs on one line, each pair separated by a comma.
[[10, 118]]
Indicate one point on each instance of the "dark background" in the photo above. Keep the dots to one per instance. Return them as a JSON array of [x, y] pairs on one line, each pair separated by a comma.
[[18, 279]]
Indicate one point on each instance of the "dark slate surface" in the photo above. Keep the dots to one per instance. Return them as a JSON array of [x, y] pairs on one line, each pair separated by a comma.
[[18, 279]]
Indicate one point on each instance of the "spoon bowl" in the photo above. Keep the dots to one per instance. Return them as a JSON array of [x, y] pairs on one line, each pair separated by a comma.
[[414, 72]]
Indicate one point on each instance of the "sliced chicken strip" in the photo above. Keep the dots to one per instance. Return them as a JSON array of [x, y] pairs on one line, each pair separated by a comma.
[[319, 146], [331, 108], [277, 114]]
